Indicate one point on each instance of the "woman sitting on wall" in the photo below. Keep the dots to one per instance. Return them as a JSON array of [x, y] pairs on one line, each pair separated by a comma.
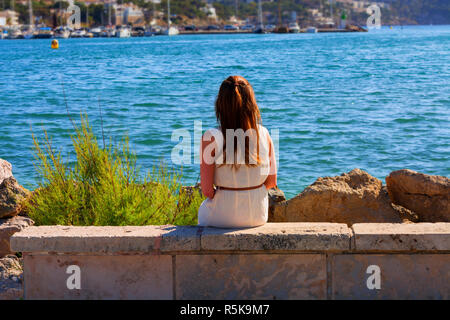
[[237, 161]]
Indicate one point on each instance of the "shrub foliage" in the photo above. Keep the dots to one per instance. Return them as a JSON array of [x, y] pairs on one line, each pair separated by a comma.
[[104, 187]]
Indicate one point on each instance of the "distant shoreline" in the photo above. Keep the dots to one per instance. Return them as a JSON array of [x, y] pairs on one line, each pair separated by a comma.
[[319, 30]]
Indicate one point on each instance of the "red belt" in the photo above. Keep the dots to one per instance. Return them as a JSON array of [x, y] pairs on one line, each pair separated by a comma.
[[239, 189]]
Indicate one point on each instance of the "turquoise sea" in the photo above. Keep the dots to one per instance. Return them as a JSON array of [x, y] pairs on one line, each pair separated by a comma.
[[379, 101]]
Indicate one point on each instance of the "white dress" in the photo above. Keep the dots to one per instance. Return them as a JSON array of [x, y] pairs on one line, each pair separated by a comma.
[[239, 208]]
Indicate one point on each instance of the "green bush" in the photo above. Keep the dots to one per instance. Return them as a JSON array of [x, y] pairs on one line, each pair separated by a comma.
[[104, 187]]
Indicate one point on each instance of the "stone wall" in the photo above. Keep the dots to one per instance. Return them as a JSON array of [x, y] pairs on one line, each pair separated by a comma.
[[275, 261]]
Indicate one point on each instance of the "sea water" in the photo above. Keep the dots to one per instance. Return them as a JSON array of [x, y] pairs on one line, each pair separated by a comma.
[[379, 101]]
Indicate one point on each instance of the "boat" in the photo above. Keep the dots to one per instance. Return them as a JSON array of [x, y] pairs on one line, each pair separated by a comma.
[[293, 27], [44, 33], [170, 31], [29, 32], [138, 32], [270, 27], [62, 33], [78, 33], [123, 32], [260, 28], [152, 31], [97, 31], [108, 32], [28, 35], [311, 30], [281, 29], [15, 34]]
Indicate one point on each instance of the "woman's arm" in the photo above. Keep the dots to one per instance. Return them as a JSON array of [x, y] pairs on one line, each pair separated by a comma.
[[207, 168], [271, 181]]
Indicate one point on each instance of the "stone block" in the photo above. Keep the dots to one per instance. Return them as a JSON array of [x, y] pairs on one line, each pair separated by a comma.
[[101, 277], [279, 237], [402, 276], [253, 276], [402, 237]]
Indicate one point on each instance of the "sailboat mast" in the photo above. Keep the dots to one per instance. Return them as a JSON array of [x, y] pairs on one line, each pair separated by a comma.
[[30, 13], [260, 14], [87, 16], [168, 13], [279, 13], [331, 9], [109, 12]]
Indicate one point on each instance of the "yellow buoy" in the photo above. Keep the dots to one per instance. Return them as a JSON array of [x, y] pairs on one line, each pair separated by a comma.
[[55, 44]]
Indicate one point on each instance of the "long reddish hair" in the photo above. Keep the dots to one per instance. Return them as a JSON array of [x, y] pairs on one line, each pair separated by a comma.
[[236, 108]]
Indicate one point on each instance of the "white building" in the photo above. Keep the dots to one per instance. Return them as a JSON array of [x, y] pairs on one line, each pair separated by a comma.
[[9, 17], [127, 13]]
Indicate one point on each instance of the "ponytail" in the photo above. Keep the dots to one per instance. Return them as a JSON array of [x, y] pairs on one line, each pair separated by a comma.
[[236, 108]]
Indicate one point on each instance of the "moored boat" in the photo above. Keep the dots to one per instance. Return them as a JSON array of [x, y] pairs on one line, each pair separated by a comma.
[[97, 32], [123, 32], [294, 27], [62, 33], [78, 33], [152, 31], [14, 34], [138, 32], [108, 32], [170, 31], [29, 34], [260, 28], [44, 33]]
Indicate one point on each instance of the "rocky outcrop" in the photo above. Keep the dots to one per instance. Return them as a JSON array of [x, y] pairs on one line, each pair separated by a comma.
[[426, 195], [5, 170], [350, 198], [7, 228], [276, 198], [12, 197], [11, 278]]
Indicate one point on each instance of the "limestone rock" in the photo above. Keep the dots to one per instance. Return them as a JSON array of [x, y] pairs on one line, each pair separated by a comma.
[[5, 170], [426, 195], [276, 199], [276, 195], [7, 228], [11, 278], [12, 196], [349, 198], [406, 215]]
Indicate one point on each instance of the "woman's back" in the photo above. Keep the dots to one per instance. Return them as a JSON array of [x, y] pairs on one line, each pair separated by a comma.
[[243, 175], [237, 161], [239, 208]]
